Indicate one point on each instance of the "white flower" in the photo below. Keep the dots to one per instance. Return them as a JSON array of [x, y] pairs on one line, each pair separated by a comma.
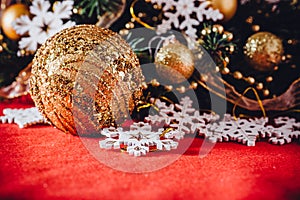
[[44, 24]]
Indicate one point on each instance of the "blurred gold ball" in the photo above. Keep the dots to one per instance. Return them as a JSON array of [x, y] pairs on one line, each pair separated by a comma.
[[85, 78], [9, 15], [174, 63], [226, 7], [263, 51]]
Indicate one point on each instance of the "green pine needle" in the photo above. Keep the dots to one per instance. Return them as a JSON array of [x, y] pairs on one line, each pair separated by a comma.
[[97, 7]]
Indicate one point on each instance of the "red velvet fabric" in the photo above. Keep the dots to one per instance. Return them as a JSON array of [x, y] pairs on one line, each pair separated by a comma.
[[41, 162]]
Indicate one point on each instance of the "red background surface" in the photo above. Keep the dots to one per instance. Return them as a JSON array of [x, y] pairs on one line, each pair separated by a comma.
[[41, 162]]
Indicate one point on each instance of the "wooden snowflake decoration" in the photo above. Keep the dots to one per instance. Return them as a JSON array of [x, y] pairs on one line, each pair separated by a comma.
[[177, 120], [137, 141], [23, 117], [190, 14], [287, 130]]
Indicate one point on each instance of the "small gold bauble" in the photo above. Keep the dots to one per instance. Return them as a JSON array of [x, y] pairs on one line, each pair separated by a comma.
[[259, 86], [263, 51], [237, 75], [266, 92], [174, 63], [226, 7], [250, 80], [82, 79], [9, 15], [225, 71]]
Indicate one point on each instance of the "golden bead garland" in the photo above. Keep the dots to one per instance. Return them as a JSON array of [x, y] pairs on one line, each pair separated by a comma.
[[238, 75]]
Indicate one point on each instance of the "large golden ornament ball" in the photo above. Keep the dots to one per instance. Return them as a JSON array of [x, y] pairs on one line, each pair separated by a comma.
[[263, 51], [226, 7], [174, 63], [9, 15], [85, 78]]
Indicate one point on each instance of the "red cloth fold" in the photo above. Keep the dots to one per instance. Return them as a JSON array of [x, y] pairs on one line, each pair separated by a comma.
[[41, 162]]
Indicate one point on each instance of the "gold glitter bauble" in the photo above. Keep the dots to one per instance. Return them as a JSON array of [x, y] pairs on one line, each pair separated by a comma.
[[263, 51], [9, 15], [174, 63], [226, 7], [85, 78]]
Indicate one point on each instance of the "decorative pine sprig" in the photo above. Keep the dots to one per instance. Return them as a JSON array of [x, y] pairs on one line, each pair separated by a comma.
[[98, 7]]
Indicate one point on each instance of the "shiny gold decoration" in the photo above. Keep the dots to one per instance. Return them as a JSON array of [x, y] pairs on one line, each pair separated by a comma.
[[174, 63], [255, 28], [225, 71], [9, 15], [181, 89], [266, 92], [194, 85], [237, 75], [269, 79], [250, 80], [249, 20], [85, 70], [228, 35], [218, 28], [155, 83], [169, 88], [226, 7], [263, 51], [259, 86]]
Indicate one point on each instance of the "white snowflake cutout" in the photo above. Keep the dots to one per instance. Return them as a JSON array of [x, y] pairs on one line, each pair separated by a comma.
[[137, 140], [185, 9], [44, 23], [287, 130], [22, 117], [242, 130], [202, 122], [182, 118], [162, 116]]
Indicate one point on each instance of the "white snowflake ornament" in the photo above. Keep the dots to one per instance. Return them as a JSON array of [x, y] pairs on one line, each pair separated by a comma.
[[181, 118], [22, 117], [137, 141], [287, 130], [185, 9], [44, 23], [245, 131]]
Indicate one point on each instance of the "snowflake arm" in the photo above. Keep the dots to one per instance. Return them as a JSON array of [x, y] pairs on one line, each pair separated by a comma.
[[22, 24], [63, 10], [137, 141], [185, 9], [28, 43], [286, 131], [39, 7], [245, 131]]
